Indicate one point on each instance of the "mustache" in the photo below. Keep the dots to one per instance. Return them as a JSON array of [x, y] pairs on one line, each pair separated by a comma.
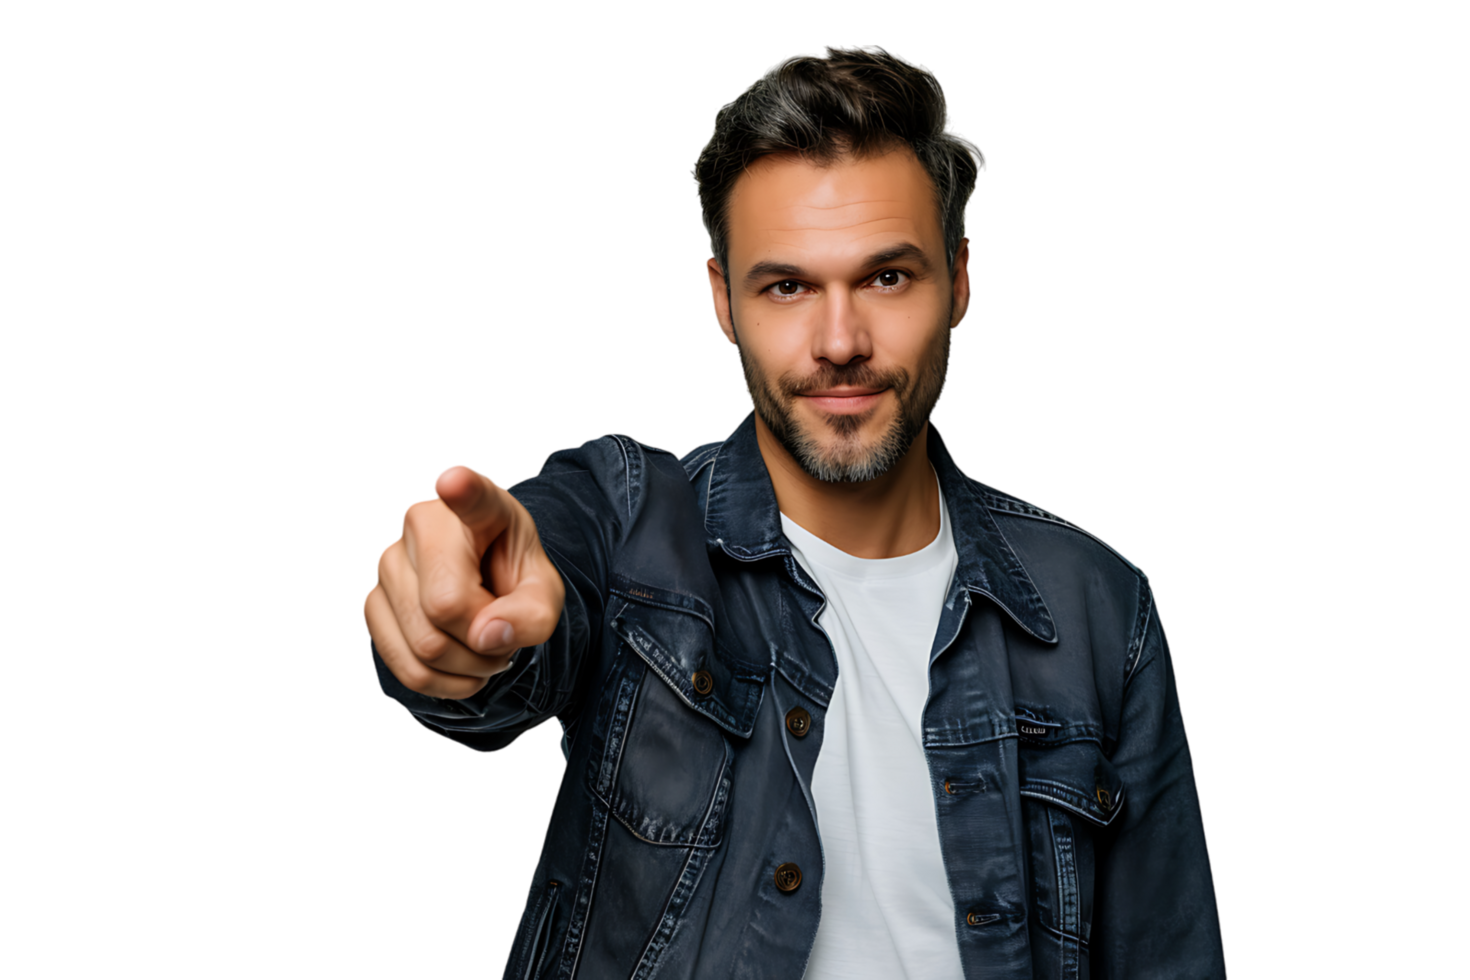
[[860, 375]]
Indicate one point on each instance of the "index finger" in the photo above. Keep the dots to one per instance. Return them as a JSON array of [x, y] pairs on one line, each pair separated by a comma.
[[478, 503]]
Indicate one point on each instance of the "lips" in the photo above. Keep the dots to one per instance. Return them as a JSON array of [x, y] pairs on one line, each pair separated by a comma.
[[843, 393], [843, 400]]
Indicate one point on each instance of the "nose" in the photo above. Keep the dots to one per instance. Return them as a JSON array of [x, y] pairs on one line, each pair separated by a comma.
[[841, 331]]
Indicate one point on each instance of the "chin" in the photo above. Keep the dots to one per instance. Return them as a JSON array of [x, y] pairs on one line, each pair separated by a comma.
[[850, 456]]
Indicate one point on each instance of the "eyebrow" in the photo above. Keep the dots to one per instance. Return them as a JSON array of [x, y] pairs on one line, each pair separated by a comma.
[[904, 251]]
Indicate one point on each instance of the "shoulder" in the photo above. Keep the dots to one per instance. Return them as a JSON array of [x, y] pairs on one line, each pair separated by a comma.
[[614, 471], [1100, 601], [1088, 586], [1026, 520]]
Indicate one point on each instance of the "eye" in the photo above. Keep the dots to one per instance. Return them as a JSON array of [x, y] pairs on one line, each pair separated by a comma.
[[887, 281]]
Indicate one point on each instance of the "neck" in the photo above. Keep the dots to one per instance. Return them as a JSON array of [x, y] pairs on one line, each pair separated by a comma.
[[895, 514]]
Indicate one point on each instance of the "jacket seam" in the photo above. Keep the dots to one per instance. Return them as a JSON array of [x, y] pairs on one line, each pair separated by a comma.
[[648, 961], [627, 473], [1062, 935], [1040, 790], [1140, 632], [996, 501], [607, 810], [646, 600], [592, 863]]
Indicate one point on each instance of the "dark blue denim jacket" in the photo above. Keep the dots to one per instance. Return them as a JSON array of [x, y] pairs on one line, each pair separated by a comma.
[[1061, 779]]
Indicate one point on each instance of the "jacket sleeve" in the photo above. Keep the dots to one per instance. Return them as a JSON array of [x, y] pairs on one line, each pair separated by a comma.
[[580, 504], [1155, 901]]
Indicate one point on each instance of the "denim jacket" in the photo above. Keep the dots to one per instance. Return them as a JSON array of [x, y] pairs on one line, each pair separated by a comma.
[[691, 679]]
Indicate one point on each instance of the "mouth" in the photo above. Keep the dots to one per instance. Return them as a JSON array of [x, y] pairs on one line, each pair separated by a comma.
[[843, 400]]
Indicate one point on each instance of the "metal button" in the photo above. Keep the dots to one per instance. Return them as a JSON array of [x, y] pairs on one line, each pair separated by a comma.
[[788, 877], [1104, 799], [703, 682], [980, 919], [949, 788], [798, 722]]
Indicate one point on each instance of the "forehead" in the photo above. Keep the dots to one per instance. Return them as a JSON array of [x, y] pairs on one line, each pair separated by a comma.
[[846, 208]]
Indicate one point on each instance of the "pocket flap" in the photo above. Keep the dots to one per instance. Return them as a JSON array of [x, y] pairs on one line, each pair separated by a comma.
[[676, 639], [1075, 776]]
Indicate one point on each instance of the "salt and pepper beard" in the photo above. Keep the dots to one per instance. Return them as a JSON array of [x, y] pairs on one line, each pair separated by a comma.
[[849, 461]]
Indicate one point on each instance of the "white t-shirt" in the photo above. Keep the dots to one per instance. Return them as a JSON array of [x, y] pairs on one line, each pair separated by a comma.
[[887, 913]]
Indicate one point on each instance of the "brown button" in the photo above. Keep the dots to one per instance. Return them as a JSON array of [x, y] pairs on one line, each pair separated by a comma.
[[788, 877], [1104, 799], [703, 682], [980, 919], [949, 788], [798, 722]]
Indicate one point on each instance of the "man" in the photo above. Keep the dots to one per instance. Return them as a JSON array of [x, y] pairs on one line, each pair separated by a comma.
[[830, 708]]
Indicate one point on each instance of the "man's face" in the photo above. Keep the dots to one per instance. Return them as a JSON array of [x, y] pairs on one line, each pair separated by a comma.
[[841, 304]]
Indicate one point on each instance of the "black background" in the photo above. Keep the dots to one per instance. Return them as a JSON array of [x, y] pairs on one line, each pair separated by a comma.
[[521, 257]]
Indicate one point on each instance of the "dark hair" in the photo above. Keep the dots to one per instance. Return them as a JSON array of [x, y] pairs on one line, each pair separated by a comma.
[[852, 101]]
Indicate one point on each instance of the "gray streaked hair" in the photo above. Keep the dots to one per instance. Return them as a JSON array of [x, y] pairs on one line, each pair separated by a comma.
[[853, 101]]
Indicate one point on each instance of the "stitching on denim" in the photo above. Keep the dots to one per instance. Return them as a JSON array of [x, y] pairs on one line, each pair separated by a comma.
[[648, 599], [609, 770], [1073, 736], [1063, 936], [663, 928], [622, 442], [605, 791], [1045, 791], [582, 902], [1140, 632], [697, 460], [544, 907], [958, 739], [724, 718], [1019, 508], [1007, 609], [661, 843], [687, 882], [1064, 851]]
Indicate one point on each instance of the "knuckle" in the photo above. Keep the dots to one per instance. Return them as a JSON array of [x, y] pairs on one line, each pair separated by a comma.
[[429, 645], [443, 604], [415, 512]]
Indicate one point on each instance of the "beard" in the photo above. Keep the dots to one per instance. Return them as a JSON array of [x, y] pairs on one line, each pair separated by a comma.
[[847, 459]]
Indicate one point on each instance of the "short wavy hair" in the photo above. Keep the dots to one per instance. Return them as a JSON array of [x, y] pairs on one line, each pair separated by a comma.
[[854, 101]]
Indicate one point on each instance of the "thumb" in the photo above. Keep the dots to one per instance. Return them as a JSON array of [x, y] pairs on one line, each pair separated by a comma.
[[524, 617]]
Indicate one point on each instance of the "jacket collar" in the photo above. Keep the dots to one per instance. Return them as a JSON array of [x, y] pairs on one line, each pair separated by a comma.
[[742, 519]]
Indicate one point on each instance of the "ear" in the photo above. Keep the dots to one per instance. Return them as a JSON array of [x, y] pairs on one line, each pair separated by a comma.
[[721, 294], [961, 284]]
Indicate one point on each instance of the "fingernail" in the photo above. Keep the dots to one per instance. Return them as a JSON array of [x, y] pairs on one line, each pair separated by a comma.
[[497, 633]]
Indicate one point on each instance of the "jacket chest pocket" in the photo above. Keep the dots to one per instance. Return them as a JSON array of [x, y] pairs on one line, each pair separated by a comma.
[[660, 778], [665, 774], [1070, 794]]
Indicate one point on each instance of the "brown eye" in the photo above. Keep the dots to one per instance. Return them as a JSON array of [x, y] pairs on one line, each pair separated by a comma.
[[889, 278], [788, 287]]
